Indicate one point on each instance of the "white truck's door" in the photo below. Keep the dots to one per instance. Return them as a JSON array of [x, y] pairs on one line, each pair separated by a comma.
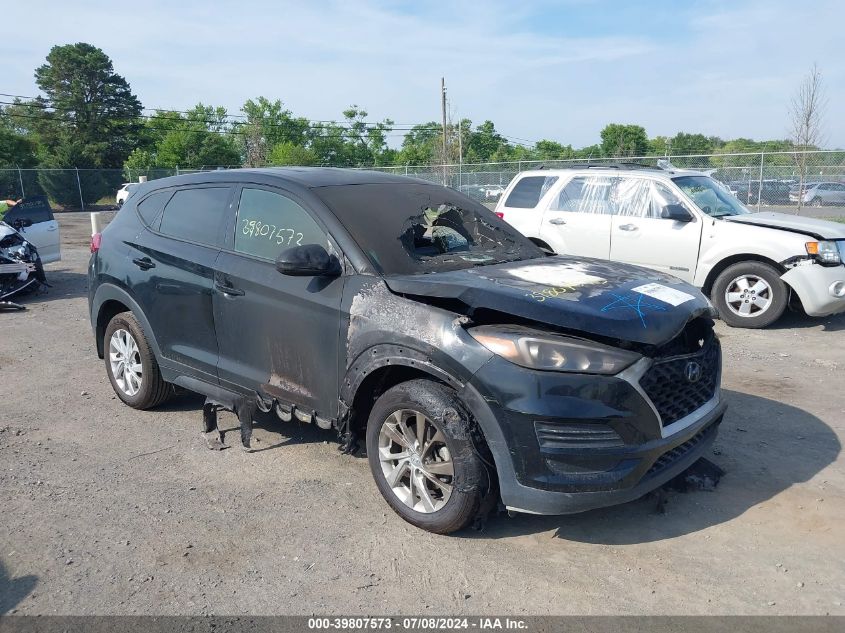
[[640, 236], [578, 218], [44, 230]]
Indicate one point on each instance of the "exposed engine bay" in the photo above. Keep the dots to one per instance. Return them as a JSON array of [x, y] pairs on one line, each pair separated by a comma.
[[20, 266]]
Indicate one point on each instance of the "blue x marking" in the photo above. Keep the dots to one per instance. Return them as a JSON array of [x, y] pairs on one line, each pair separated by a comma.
[[635, 303]]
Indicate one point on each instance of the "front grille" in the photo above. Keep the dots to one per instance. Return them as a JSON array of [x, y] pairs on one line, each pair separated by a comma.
[[551, 435], [670, 390], [670, 457]]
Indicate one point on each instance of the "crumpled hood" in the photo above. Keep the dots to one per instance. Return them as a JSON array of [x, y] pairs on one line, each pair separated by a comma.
[[588, 295], [820, 229], [6, 230]]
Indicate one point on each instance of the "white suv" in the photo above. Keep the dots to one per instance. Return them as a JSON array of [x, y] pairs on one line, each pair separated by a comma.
[[689, 225]]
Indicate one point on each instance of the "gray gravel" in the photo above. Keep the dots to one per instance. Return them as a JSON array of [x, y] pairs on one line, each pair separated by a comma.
[[107, 510]]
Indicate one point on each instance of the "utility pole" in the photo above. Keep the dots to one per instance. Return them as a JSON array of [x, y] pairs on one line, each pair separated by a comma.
[[443, 108]]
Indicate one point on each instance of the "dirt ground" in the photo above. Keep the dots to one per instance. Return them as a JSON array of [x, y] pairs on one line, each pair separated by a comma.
[[108, 510]]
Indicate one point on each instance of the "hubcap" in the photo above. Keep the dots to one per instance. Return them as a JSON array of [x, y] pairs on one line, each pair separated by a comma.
[[748, 296], [415, 461], [125, 361]]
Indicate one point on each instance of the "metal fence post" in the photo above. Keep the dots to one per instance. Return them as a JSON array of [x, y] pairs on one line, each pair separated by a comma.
[[79, 184], [20, 177], [760, 188]]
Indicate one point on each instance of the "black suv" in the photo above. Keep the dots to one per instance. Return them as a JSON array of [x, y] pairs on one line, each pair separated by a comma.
[[406, 313]]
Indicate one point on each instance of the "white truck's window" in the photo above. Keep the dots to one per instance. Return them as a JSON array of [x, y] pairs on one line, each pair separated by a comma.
[[528, 191], [586, 194]]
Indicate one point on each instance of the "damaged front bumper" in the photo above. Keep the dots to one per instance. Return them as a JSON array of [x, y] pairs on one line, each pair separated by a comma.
[[20, 265], [567, 443], [820, 288]]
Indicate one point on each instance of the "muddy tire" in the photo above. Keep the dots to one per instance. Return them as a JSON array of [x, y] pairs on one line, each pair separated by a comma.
[[131, 365], [750, 295], [427, 457]]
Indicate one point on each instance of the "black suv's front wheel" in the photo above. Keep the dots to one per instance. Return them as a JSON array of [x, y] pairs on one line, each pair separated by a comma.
[[424, 458]]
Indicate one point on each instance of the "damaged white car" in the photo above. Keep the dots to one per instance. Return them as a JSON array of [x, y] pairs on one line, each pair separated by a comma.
[[685, 223], [20, 265]]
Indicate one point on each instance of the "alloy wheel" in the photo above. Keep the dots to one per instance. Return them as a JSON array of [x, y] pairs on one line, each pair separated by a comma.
[[748, 296], [125, 362], [415, 461]]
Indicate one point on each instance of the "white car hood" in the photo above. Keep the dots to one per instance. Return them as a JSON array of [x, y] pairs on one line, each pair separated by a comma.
[[6, 230], [820, 229]]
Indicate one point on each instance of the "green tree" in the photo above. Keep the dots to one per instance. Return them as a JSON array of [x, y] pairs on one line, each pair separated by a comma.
[[288, 153], [419, 145], [683, 143], [66, 185], [16, 152], [88, 107], [619, 140], [268, 124], [484, 142], [198, 138], [552, 150]]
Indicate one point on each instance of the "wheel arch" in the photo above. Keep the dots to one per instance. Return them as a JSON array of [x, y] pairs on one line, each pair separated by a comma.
[[110, 300], [720, 267], [380, 368]]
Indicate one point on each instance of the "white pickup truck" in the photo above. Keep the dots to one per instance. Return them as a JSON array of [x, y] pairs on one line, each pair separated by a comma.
[[752, 265]]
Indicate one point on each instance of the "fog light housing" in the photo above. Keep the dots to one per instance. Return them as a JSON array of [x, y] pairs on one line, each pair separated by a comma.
[[837, 289]]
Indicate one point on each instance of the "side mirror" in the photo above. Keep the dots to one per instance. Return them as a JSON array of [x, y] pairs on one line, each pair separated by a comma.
[[308, 260], [21, 223], [676, 212]]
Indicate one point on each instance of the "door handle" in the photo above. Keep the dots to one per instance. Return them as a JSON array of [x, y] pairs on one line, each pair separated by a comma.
[[144, 263], [628, 227], [229, 291], [557, 221]]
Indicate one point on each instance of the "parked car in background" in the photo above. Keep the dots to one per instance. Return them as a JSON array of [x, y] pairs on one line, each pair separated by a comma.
[[686, 224], [408, 314], [772, 192], [124, 192], [492, 193], [33, 218], [817, 194]]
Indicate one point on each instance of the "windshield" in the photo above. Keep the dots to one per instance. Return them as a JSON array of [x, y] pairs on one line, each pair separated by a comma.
[[411, 229], [710, 196]]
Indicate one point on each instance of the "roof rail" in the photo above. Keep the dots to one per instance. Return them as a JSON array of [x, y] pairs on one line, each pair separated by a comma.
[[619, 165]]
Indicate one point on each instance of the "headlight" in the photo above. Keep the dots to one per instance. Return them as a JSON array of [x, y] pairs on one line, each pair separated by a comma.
[[824, 252], [536, 350]]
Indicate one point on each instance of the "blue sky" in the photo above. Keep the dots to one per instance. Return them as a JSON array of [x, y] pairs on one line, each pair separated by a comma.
[[559, 70]]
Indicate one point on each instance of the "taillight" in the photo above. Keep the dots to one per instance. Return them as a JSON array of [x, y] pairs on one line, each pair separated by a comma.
[[96, 240], [500, 214]]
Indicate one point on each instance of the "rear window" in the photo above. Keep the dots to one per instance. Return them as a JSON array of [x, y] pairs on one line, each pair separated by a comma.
[[196, 215], [150, 208], [528, 191]]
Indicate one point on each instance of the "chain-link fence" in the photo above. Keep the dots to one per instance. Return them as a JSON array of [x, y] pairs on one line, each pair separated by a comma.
[[757, 179]]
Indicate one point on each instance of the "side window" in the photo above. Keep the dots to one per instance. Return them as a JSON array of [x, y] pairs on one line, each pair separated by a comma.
[[269, 222], [585, 194], [36, 209], [661, 195], [528, 191], [150, 208], [196, 214]]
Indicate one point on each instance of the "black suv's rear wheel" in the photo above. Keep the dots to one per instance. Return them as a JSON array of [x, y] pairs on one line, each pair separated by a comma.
[[131, 364], [422, 454]]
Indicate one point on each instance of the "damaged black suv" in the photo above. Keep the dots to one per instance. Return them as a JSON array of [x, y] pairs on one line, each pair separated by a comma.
[[406, 315]]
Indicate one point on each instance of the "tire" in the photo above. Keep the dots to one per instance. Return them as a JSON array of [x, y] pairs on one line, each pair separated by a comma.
[[816, 202], [450, 438], [151, 390], [739, 302]]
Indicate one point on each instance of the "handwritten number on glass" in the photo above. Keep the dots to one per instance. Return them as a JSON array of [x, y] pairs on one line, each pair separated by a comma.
[[281, 235]]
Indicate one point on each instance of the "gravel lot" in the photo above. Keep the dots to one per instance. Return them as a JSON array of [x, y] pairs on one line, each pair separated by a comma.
[[107, 510]]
